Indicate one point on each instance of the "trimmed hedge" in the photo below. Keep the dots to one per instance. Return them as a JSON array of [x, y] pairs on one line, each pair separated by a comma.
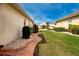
[[44, 26], [59, 29], [74, 29]]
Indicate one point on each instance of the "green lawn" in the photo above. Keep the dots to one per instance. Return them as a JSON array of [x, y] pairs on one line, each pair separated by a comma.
[[59, 44]]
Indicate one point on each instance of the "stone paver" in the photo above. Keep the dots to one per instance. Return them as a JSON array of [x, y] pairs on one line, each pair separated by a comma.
[[17, 44], [27, 50]]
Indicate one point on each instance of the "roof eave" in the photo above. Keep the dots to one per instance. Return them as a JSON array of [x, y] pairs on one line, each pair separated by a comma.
[[19, 8], [68, 17]]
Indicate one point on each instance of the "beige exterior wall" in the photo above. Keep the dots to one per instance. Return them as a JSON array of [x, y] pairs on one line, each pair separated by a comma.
[[65, 23], [75, 21], [30, 24], [11, 23], [62, 24]]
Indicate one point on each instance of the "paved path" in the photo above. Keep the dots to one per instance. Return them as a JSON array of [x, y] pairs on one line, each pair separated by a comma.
[[68, 33], [27, 50]]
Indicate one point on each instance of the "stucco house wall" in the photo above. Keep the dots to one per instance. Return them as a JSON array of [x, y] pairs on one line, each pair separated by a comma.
[[65, 23], [29, 23], [62, 24], [11, 23], [75, 21]]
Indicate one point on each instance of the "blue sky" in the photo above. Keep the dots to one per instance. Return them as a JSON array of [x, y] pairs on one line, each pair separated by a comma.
[[49, 12]]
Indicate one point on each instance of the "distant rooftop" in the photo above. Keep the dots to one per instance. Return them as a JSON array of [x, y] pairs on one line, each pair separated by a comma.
[[68, 17]]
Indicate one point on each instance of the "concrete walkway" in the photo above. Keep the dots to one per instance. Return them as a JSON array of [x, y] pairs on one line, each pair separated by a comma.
[[26, 50], [71, 34], [68, 33]]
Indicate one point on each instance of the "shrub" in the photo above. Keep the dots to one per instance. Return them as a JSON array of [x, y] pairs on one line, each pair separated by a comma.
[[44, 26], [73, 29], [59, 29]]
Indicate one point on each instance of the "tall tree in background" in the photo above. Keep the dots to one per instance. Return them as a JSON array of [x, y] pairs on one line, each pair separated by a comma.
[[47, 25]]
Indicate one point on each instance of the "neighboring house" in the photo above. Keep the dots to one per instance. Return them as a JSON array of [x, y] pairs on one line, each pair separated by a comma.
[[11, 22], [50, 25], [40, 26], [70, 19]]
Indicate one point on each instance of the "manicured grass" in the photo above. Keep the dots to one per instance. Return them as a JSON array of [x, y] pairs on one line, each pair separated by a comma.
[[59, 44]]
